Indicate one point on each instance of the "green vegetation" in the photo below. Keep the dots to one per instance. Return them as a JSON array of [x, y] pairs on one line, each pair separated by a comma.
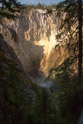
[[15, 105], [25, 9], [70, 82], [57, 107], [12, 99], [45, 110], [69, 93], [62, 106], [72, 27], [8, 8]]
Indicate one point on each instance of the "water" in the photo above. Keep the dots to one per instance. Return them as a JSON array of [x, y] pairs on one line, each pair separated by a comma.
[[42, 82], [81, 118], [46, 84]]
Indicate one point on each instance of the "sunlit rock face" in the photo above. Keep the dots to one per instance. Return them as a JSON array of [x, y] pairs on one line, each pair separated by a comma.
[[55, 58], [33, 38]]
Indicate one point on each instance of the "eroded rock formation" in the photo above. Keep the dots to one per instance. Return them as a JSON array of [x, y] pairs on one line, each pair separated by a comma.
[[33, 38]]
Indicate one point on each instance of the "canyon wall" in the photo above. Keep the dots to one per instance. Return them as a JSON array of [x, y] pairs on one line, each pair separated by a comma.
[[33, 37]]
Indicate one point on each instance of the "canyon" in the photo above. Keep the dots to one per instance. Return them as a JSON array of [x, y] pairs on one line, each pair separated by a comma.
[[32, 35], [30, 40]]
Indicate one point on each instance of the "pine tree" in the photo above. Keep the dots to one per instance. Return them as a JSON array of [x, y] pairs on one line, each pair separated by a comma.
[[80, 38], [8, 8], [70, 30], [45, 110]]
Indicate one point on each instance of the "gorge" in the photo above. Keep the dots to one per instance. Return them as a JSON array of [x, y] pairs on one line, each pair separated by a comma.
[[32, 35], [28, 54]]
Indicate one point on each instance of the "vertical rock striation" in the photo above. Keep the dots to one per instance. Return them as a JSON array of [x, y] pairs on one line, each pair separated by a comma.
[[32, 36]]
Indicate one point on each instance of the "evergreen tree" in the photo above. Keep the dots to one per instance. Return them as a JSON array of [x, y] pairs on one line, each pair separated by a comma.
[[8, 8], [80, 38], [69, 95], [71, 29], [14, 105], [45, 110]]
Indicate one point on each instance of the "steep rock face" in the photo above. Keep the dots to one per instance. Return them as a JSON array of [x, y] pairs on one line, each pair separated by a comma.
[[55, 58], [11, 69], [32, 36]]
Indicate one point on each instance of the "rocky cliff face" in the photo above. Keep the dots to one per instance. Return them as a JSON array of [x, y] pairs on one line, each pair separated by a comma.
[[32, 36], [11, 72]]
